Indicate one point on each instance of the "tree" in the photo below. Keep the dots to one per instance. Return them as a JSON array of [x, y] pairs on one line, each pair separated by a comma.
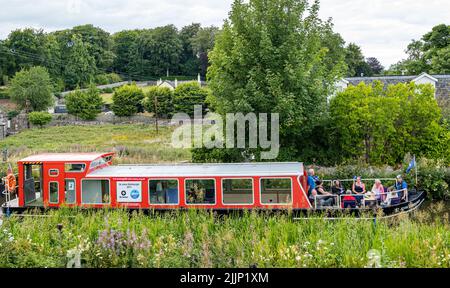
[[187, 95], [100, 44], [356, 64], [381, 125], [269, 57], [32, 89], [156, 52], [202, 43], [79, 68], [39, 118], [159, 100], [127, 100], [123, 41], [430, 54], [189, 62], [375, 65], [84, 104]]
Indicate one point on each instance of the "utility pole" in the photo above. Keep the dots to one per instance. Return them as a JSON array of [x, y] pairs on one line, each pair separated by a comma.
[[156, 113]]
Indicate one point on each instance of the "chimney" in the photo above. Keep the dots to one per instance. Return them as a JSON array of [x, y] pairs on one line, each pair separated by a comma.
[[199, 80], [176, 82], [362, 74], [159, 82]]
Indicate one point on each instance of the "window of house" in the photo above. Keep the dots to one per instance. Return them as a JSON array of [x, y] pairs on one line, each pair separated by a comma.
[[237, 191], [95, 191], [163, 191], [276, 190], [54, 192], [200, 191]]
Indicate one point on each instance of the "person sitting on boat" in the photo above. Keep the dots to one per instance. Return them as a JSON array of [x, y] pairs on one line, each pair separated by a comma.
[[378, 190], [326, 198], [400, 187], [348, 201], [312, 192], [370, 199], [359, 188], [337, 188]]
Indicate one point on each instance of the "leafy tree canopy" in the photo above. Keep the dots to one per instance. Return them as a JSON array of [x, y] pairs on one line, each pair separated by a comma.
[[127, 100]]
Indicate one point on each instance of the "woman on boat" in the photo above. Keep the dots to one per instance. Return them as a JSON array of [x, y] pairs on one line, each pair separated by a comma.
[[378, 190], [337, 188], [359, 188]]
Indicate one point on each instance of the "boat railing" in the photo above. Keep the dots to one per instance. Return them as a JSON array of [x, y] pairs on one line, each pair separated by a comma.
[[377, 198]]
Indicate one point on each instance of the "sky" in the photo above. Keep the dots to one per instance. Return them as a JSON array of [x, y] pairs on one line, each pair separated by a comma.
[[383, 28]]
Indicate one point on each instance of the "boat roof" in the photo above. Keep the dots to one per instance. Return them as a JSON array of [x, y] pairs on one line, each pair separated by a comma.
[[63, 157], [206, 170]]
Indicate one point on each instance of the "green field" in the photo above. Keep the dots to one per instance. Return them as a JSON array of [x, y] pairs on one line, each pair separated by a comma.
[[108, 238], [133, 143]]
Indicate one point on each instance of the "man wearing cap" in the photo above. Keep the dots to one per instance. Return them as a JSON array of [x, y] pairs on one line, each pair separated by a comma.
[[400, 186]]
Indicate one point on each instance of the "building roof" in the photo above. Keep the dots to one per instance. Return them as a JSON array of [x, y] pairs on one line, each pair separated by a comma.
[[63, 157], [206, 170]]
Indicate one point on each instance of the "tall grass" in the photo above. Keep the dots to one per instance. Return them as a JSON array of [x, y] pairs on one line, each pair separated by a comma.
[[111, 238]]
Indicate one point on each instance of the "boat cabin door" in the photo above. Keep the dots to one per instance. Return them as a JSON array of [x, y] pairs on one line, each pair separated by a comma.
[[32, 184]]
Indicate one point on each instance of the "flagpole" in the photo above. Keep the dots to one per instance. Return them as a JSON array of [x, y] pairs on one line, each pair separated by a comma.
[[415, 161]]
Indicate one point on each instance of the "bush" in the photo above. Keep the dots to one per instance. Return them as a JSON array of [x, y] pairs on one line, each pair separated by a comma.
[[103, 79], [187, 95], [13, 113], [127, 100], [39, 118], [107, 90], [84, 104], [4, 94], [32, 86], [162, 99]]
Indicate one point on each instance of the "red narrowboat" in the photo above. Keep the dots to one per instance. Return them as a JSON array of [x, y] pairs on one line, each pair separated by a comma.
[[90, 180]]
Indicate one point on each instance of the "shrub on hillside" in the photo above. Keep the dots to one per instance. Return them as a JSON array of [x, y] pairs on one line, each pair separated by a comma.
[[84, 104], [187, 95], [127, 100], [39, 118], [159, 100]]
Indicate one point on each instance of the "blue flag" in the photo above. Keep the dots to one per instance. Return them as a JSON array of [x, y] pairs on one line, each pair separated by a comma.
[[411, 165]]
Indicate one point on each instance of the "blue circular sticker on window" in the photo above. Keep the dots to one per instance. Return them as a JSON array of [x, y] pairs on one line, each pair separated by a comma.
[[134, 194]]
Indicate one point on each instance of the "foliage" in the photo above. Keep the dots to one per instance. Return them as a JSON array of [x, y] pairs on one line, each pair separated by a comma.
[[431, 54], [39, 118], [107, 78], [84, 104], [127, 100], [79, 68], [107, 238], [356, 64], [202, 43], [159, 100], [13, 113], [274, 57], [186, 95], [4, 94], [375, 65], [155, 52], [31, 89], [383, 125]]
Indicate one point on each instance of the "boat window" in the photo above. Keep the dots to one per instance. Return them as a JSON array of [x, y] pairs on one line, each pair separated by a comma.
[[163, 191], [54, 192], [95, 191], [200, 191], [70, 191], [74, 167], [28, 171], [237, 191], [97, 162], [276, 190]]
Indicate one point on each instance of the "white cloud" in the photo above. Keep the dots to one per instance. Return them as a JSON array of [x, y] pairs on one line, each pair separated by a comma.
[[383, 28]]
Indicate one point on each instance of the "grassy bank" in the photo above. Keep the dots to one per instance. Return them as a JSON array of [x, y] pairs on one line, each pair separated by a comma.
[[133, 143], [198, 239]]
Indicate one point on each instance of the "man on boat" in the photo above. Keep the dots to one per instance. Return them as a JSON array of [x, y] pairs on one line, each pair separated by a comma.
[[401, 187], [316, 187]]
